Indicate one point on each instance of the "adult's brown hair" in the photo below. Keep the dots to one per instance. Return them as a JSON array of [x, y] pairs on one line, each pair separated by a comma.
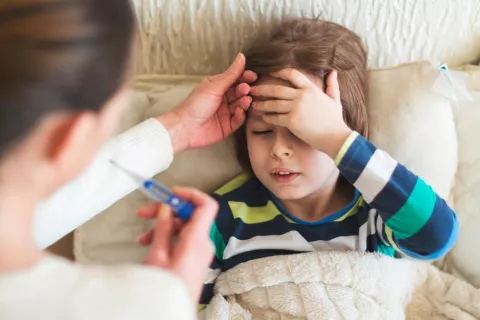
[[59, 56], [316, 47]]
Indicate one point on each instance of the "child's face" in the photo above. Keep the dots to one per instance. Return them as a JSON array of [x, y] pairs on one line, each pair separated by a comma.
[[286, 165]]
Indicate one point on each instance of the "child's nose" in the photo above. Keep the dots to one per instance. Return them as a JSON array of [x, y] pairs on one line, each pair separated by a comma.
[[282, 145]]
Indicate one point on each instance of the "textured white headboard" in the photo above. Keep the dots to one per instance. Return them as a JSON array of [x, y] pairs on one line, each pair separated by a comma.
[[202, 36]]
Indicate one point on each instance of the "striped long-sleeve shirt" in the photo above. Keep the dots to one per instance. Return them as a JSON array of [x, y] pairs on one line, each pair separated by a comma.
[[393, 211]]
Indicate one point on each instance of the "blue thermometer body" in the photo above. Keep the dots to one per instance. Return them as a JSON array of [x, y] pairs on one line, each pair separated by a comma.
[[157, 192]]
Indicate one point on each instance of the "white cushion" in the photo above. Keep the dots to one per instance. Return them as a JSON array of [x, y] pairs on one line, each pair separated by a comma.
[[464, 260], [400, 102], [201, 37]]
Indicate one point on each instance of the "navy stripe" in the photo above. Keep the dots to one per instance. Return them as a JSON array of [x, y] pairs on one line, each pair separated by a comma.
[[372, 242], [435, 237], [216, 264], [253, 193], [224, 220], [207, 293], [279, 225], [397, 191], [356, 158], [252, 255]]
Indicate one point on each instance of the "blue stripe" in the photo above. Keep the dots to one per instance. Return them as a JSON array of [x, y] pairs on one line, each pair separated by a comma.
[[328, 219], [436, 237], [356, 159], [397, 191], [279, 225]]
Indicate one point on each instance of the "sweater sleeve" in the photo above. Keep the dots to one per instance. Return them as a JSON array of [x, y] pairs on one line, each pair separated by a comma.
[[145, 149], [416, 221]]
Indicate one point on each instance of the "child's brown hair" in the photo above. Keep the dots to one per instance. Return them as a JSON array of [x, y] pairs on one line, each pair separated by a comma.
[[316, 47]]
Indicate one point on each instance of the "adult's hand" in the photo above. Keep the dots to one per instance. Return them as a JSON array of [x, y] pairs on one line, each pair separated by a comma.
[[189, 254], [213, 111]]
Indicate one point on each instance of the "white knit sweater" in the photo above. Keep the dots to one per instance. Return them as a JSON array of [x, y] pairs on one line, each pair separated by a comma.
[[58, 289]]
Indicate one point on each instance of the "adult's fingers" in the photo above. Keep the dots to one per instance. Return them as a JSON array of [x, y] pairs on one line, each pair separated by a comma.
[[243, 104], [237, 92], [220, 83], [248, 76], [333, 88], [206, 209], [238, 119], [273, 106], [159, 254], [146, 239], [274, 91], [295, 77], [148, 212]]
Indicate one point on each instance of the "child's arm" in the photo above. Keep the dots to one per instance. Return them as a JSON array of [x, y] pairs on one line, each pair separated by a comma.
[[219, 237], [417, 221]]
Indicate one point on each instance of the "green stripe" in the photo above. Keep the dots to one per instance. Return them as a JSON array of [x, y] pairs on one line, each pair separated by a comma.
[[386, 250], [218, 241], [416, 211]]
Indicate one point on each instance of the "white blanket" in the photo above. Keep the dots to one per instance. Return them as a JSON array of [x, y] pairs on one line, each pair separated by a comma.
[[341, 285]]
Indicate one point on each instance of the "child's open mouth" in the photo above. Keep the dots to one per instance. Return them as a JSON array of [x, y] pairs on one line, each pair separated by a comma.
[[283, 175]]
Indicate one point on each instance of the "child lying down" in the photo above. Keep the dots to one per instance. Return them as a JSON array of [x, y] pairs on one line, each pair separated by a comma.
[[316, 183]]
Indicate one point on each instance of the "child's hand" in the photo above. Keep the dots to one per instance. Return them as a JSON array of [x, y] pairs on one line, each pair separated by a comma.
[[309, 113]]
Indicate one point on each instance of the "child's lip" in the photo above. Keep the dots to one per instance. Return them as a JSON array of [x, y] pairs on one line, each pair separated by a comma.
[[278, 170], [286, 178]]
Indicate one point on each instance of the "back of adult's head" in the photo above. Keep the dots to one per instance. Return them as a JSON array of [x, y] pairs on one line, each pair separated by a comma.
[[59, 56]]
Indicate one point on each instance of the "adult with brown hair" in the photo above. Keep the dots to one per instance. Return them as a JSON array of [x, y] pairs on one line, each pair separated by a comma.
[[63, 73], [316, 183]]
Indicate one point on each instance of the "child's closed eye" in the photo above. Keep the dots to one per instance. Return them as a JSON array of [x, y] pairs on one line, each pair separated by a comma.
[[260, 132]]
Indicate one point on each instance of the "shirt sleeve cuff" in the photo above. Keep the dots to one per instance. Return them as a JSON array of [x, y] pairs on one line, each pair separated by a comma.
[[346, 145]]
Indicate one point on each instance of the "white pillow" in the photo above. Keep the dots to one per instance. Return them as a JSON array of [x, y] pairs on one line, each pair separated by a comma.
[[400, 103], [201, 37], [464, 260]]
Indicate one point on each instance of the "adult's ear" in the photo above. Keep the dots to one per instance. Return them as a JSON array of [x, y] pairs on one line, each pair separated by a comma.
[[71, 140]]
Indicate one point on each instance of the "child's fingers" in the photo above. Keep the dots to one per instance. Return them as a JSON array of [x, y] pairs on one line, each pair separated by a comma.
[[295, 77], [148, 212], [274, 91], [273, 106], [281, 120], [333, 88]]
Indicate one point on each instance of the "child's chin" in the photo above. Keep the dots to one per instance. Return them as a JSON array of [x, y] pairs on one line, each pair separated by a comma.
[[289, 194]]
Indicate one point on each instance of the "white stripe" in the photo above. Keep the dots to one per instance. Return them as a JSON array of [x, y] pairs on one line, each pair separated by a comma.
[[375, 175], [337, 244], [212, 275], [380, 230], [367, 229], [288, 241]]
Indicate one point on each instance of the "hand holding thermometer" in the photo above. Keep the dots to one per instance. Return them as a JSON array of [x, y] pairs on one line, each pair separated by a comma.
[[158, 192]]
